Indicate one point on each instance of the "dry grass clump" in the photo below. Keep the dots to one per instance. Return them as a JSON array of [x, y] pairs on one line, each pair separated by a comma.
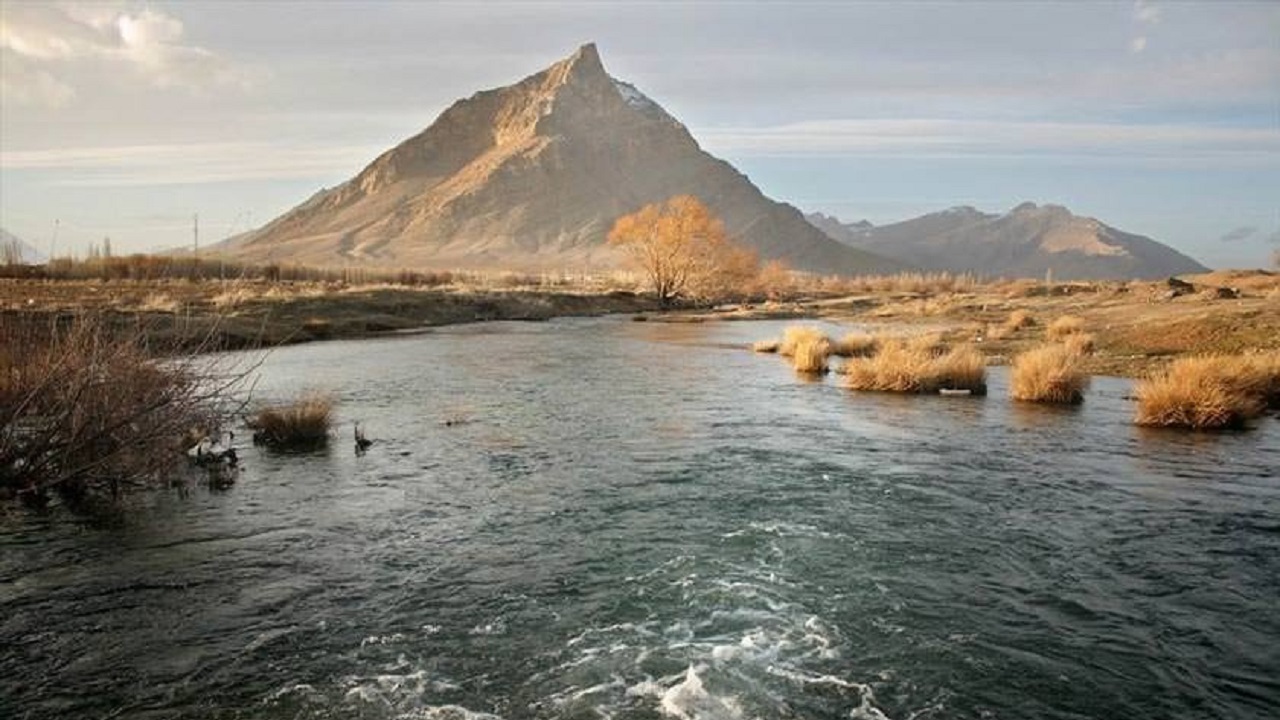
[[856, 344], [798, 335], [810, 356], [1019, 319], [1209, 392], [1081, 344], [913, 367], [1048, 374], [302, 424], [1064, 326], [765, 346], [159, 302]]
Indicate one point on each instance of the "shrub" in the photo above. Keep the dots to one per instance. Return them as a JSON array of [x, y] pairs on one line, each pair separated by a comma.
[[810, 356], [794, 336], [1019, 319], [87, 411], [1064, 326], [1080, 344], [1204, 393], [856, 344], [299, 425], [1048, 374], [914, 367]]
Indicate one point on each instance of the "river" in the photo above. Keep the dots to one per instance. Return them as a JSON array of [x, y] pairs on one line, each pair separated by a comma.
[[598, 518]]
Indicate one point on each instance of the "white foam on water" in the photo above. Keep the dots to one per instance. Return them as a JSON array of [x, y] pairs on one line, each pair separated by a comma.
[[446, 712], [689, 699], [382, 639]]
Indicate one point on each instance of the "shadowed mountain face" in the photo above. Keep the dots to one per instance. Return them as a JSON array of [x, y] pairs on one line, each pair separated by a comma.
[[533, 176], [1027, 241]]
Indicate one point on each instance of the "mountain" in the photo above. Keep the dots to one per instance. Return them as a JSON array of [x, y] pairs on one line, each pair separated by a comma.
[[1027, 241], [532, 176], [847, 233], [12, 248]]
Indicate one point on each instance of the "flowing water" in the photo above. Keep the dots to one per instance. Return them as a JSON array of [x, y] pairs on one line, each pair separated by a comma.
[[608, 519]]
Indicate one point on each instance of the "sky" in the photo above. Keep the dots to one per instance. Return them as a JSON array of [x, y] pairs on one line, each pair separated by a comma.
[[124, 120]]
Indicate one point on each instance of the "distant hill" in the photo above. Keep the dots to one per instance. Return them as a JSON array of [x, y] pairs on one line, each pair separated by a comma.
[[1027, 241], [533, 175], [12, 248]]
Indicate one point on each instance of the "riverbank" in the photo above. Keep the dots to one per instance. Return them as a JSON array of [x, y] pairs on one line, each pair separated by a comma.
[[1137, 327], [234, 315]]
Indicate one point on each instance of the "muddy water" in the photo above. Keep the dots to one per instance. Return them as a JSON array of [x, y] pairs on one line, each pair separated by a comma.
[[607, 519]]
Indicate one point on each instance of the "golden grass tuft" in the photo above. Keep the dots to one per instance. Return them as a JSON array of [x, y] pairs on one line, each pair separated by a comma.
[[765, 346], [1019, 319], [297, 425], [1048, 374], [913, 366], [1081, 344], [1209, 392], [1064, 326], [796, 335], [856, 344], [810, 355]]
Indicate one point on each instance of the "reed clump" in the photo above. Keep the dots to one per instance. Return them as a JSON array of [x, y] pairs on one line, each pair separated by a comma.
[[856, 344], [798, 335], [1209, 392], [1064, 326], [300, 425], [1048, 374], [1018, 320], [1081, 344], [915, 366], [810, 355], [765, 346]]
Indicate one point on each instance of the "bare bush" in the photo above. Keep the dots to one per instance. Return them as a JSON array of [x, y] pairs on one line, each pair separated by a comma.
[[89, 410]]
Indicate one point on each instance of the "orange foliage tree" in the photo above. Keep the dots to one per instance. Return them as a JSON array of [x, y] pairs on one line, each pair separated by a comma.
[[683, 249]]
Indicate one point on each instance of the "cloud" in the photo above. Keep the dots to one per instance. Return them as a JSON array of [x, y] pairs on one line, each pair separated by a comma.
[[1145, 12], [190, 163], [1240, 233], [994, 139], [49, 50]]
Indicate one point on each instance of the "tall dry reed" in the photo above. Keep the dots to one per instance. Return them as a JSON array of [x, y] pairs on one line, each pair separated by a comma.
[[1208, 392], [916, 367], [1048, 374]]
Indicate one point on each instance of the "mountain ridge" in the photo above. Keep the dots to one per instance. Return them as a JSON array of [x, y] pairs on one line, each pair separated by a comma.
[[1029, 240]]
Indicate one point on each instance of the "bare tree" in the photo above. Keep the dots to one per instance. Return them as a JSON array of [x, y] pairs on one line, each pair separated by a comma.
[[683, 249]]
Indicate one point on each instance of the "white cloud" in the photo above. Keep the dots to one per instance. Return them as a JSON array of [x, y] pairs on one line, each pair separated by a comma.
[[992, 139], [48, 50], [185, 164], [1145, 12], [1138, 44]]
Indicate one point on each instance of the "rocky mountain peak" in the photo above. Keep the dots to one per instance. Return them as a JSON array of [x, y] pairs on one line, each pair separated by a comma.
[[533, 175]]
